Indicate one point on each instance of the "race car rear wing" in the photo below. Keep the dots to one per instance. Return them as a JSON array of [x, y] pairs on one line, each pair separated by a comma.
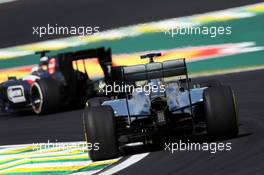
[[155, 70], [100, 53], [103, 55]]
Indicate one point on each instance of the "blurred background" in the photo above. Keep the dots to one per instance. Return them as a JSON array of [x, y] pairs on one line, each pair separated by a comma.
[[133, 27]]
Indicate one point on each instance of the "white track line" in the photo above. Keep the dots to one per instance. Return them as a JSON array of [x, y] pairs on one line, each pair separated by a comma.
[[130, 161], [87, 172], [5, 1]]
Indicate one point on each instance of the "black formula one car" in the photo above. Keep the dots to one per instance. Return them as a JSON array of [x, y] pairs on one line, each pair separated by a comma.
[[161, 103], [57, 82]]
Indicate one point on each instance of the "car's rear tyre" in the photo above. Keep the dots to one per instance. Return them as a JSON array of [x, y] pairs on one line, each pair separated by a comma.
[[220, 112], [96, 101], [100, 128], [45, 96]]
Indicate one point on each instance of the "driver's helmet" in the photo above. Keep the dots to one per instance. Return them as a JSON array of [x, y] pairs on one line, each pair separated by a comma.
[[43, 63]]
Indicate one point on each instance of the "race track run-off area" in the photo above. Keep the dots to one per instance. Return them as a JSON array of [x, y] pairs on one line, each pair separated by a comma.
[[240, 54]]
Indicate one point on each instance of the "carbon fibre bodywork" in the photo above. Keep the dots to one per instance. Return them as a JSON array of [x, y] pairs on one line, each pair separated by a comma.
[[140, 104]]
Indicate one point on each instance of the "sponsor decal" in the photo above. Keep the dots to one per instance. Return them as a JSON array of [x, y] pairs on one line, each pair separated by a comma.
[[16, 94]]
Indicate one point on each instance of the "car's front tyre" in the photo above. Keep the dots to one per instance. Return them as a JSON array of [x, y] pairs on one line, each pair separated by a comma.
[[45, 96]]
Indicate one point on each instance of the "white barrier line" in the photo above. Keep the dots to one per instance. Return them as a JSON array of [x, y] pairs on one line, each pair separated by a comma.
[[87, 172], [130, 161]]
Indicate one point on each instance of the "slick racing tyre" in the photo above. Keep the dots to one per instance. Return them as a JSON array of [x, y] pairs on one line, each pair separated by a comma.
[[96, 101], [100, 130], [220, 112], [45, 96]]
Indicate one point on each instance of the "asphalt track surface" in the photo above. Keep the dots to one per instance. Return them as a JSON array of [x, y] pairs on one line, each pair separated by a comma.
[[246, 156], [17, 18]]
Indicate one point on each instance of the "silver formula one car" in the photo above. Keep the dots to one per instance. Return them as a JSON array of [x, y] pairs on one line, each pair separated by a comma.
[[161, 103]]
